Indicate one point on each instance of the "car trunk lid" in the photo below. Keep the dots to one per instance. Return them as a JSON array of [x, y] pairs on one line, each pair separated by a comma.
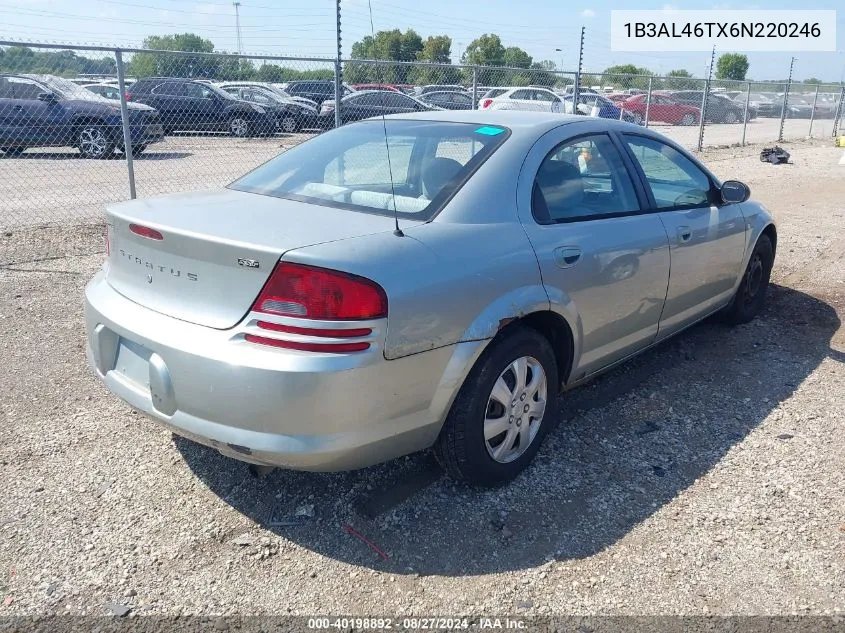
[[217, 248]]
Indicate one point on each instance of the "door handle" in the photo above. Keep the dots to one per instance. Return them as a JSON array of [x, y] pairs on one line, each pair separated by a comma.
[[567, 256], [17, 108], [684, 233]]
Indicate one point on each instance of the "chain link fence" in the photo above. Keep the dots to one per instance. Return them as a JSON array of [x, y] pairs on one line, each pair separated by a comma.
[[125, 123]]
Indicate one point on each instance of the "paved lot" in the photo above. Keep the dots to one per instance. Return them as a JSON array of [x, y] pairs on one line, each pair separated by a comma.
[[46, 186], [703, 477]]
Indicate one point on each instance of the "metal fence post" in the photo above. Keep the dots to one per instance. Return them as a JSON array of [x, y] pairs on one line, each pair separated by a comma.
[[648, 101], [745, 114], [474, 88], [703, 114], [576, 88], [124, 117], [337, 93], [813, 113], [839, 111]]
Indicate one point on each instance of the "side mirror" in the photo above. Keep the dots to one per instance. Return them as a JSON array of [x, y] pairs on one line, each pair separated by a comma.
[[47, 97], [734, 191]]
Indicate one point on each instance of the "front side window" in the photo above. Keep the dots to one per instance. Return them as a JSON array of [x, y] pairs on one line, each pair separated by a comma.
[[170, 88], [582, 179], [675, 181], [197, 91], [20, 88], [525, 95], [415, 168]]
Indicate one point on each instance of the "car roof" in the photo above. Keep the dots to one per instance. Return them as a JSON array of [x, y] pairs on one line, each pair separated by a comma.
[[518, 121]]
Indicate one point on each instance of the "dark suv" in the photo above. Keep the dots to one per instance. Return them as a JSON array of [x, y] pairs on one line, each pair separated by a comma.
[[47, 111], [317, 91], [188, 105]]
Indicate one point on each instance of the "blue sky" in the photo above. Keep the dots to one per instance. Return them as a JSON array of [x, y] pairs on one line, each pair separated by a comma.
[[306, 27]]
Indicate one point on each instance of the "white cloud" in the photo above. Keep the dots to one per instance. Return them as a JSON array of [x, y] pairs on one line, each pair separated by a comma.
[[588, 13]]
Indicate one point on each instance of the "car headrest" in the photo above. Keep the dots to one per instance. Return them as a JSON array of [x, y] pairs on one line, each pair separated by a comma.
[[562, 187], [437, 173]]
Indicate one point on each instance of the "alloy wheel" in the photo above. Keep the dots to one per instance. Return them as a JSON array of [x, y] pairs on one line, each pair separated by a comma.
[[93, 142], [289, 125], [239, 127], [515, 409]]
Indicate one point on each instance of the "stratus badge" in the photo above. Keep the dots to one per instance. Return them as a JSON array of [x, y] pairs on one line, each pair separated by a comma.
[[249, 263]]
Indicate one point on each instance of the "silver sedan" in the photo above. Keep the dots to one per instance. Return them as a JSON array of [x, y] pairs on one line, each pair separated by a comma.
[[426, 280]]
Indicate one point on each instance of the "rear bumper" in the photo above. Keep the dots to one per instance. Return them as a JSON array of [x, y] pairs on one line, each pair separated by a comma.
[[297, 410]]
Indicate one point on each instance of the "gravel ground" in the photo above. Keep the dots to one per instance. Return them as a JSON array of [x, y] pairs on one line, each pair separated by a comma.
[[704, 477]]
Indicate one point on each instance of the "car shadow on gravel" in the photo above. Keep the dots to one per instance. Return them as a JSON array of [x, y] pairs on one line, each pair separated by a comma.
[[627, 444], [74, 155]]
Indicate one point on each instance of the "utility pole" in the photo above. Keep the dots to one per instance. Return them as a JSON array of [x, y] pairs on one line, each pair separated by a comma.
[[337, 69], [238, 26], [576, 88], [704, 99], [786, 98]]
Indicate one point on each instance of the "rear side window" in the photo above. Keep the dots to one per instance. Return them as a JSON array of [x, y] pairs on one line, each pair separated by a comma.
[[495, 92], [582, 179], [170, 88], [416, 168], [675, 181]]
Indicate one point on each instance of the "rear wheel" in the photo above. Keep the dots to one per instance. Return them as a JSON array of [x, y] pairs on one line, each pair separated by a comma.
[[688, 119], [502, 412], [94, 141], [238, 126], [751, 294], [638, 118], [731, 117]]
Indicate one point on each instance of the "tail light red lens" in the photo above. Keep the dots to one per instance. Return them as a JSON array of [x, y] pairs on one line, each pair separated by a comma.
[[331, 348], [127, 95], [309, 331], [309, 292], [486, 103], [145, 231]]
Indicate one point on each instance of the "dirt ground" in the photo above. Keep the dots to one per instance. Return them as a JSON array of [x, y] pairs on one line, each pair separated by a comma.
[[703, 477]]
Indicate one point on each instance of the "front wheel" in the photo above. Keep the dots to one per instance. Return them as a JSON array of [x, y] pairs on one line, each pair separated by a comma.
[[239, 127], [638, 118], [94, 141], [688, 119], [731, 117], [289, 124], [502, 412], [751, 294]]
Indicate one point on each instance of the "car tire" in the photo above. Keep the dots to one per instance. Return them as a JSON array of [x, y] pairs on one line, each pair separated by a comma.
[[12, 152], [688, 119], [94, 141], [751, 294], [289, 124], [638, 118], [137, 150], [466, 448], [239, 126], [731, 117]]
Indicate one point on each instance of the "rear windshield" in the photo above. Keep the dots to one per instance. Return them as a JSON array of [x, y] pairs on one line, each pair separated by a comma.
[[413, 170]]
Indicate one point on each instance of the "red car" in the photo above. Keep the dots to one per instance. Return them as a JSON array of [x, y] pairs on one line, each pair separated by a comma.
[[662, 108]]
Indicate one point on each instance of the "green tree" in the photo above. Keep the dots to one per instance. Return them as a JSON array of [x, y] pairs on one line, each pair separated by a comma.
[[681, 80], [64, 63], [161, 64], [620, 77], [390, 45], [813, 80], [436, 49], [486, 50], [515, 57], [732, 66]]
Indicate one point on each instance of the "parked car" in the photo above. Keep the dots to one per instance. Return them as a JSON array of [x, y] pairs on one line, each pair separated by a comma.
[[606, 107], [527, 99], [375, 87], [421, 90], [316, 90], [369, 103], [48, 111], [189, 105], [662, 108], [370, 302], [107, 91], [290, 116], [761, 103], [448, 100], [719, 109], [801, 107]]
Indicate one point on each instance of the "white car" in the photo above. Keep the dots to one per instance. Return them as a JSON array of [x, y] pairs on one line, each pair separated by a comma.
[[530, 99]]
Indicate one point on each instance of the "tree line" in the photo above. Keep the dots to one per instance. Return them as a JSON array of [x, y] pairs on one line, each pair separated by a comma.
[[497, 64]]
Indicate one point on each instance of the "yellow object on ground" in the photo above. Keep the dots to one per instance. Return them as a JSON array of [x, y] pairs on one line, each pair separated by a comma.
[[840, 141]]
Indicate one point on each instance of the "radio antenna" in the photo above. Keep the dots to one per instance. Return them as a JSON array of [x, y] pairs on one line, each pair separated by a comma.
[[396, 231]]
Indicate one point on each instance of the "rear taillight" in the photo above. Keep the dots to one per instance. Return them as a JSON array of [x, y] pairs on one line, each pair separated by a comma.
[[145, 231], [486, 103], [308, 292], [127, 95]]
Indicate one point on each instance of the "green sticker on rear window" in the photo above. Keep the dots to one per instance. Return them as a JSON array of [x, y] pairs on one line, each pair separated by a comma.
[[489, 131]]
